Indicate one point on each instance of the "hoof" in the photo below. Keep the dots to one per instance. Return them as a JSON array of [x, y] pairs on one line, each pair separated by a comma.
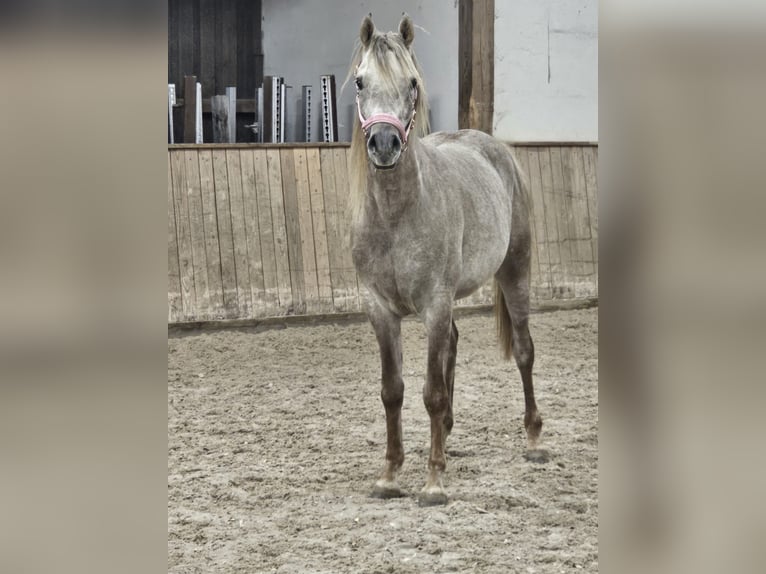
[[433, 496], [386, 489], [537, 455]]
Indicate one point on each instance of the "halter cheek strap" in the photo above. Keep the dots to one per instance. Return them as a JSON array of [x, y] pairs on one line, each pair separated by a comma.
[[390, 119]]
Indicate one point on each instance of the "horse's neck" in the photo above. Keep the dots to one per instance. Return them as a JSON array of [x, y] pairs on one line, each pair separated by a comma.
[[391, 192]]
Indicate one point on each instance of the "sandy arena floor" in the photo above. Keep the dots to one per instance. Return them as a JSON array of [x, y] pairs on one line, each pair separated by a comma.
[[276, 438]]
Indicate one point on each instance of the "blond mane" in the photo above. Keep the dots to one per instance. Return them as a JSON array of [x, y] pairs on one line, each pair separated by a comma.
[[381, 44]]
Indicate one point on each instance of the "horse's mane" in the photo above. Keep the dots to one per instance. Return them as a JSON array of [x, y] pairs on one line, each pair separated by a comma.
[[381, 45]]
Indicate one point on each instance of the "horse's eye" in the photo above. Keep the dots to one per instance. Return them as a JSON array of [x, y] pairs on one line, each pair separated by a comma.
[[358, 82], [413, 83]]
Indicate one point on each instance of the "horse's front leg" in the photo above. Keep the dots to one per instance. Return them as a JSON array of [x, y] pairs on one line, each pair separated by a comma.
[[436, 396], [387, 328]]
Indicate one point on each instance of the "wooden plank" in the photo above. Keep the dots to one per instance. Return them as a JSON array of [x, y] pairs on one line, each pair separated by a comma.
[[252, 232], [347, 270], [190, 109], [562, 288], [591, 184], [183, 230], [196, 225], [310, 281], [324, 282], [280, 230], [248, 33], [226, 45], [206, 43], [174, 74], [347, 234], [564, 184], [195, 38], [563, 210], [339, 290], [266, 230], [545, 290], [210, 223], [290, 194], [523, 161], [186, 39], [225, 237], [175, 310], [238, 232], [582, 252]]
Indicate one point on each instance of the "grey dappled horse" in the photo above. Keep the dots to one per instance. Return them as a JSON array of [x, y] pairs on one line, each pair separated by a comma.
[[433, 218]]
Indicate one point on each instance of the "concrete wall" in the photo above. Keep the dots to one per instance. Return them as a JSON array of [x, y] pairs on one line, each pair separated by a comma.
[[546, 61], [546, 70], [303, 39]]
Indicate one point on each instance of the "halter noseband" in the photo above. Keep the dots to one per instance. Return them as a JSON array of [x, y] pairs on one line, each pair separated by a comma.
[[390, 119]]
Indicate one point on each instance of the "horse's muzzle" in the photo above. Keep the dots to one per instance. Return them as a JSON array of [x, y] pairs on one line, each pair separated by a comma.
[[384, 145]]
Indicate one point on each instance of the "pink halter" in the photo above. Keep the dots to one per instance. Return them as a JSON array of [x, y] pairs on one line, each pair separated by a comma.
[[388, 119]]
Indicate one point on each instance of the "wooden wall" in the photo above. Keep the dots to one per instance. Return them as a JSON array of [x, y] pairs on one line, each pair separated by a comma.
[[260, 231], [220, 42]]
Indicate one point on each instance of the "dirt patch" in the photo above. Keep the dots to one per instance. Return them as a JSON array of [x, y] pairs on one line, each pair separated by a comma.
[[276, 438]]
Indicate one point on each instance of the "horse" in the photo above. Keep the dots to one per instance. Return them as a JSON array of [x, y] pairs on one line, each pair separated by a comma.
[[433, 218]]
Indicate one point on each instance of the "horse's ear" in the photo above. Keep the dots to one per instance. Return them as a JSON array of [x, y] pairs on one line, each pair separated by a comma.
[[368, 29], [407, 30]]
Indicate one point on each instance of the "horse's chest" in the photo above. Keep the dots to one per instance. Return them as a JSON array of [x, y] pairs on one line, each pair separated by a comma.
[[394, 269]]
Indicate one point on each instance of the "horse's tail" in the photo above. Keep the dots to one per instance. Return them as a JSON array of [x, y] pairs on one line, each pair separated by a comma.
[[503, 322]]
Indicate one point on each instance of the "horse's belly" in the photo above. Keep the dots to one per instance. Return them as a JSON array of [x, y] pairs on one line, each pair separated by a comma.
[[480, 263]]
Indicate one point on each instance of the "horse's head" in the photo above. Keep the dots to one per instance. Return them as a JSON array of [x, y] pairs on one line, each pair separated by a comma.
[[389, 91]]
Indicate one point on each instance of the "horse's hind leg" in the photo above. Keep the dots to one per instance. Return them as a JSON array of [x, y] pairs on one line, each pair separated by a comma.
[[387, 328], [450, 377], [513, 279]]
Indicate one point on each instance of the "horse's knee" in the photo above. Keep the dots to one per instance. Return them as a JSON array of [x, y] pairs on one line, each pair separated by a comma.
[[436, 400], [392, 393]]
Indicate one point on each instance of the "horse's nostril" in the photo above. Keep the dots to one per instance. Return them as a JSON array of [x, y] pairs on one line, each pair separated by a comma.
[[372, 143], [396, 143]]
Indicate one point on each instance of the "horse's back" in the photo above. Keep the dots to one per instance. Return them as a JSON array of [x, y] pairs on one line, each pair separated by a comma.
[[495, 151]]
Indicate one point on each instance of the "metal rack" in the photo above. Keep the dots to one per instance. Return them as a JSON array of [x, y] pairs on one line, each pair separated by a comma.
[[329, 109], [306, 93]]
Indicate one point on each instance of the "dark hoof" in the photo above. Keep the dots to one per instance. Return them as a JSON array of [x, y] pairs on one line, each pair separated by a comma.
[[537, 455], [386, 489], [433, 496]]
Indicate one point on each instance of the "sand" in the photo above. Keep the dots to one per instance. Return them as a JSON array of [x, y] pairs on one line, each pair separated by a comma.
[[276, 437]]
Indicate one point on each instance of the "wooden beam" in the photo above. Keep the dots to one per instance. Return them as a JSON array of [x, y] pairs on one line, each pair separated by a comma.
[[476, 64], [190, 109], [220, 110], [465, 61]]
